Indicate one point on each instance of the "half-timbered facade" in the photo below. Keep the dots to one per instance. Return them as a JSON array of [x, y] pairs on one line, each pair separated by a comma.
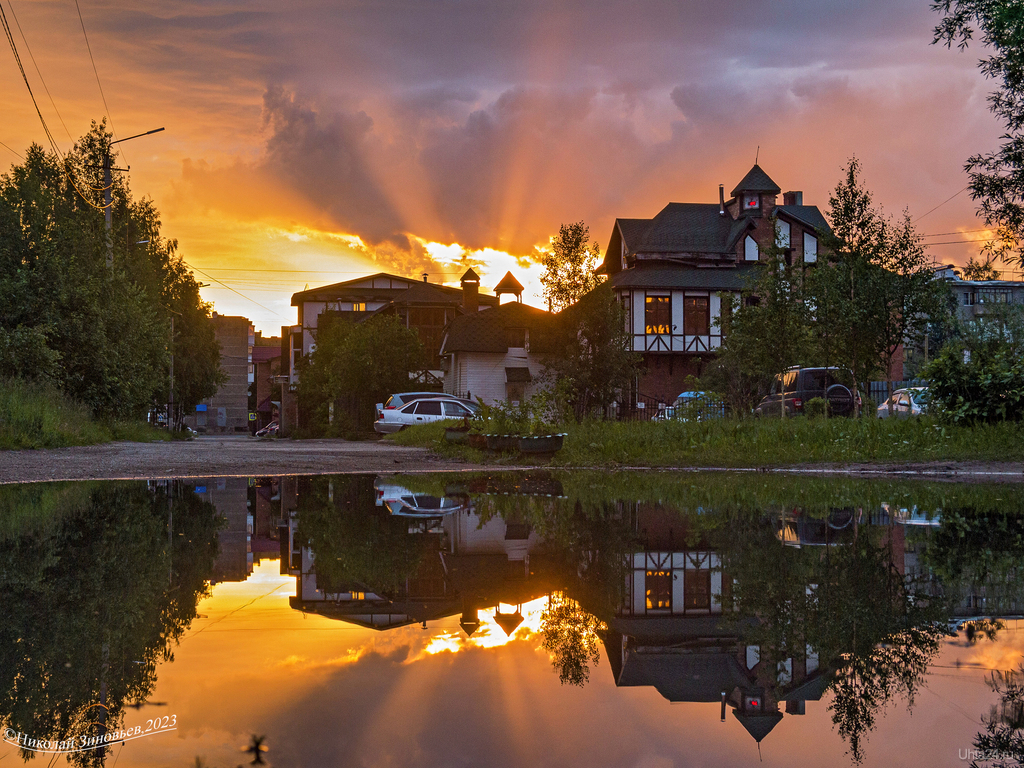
[[671, 272]]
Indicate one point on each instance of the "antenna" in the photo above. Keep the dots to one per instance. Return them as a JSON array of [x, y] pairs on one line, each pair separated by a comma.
[[757, 154]]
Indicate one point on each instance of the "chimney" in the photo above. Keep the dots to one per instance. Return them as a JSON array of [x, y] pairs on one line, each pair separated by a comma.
[[721, 199], [425, 277], [792, 198], [470, 291]]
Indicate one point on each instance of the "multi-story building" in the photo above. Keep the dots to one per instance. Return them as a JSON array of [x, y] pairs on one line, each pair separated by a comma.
[[228, 410], [671, 272]]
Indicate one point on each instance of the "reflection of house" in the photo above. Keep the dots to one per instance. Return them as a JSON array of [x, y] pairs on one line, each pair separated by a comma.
[[499, 353], [670, 271], [670, 633], [230, 497]]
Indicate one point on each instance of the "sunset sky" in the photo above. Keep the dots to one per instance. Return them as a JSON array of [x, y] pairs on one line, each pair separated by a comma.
[[313, 142]]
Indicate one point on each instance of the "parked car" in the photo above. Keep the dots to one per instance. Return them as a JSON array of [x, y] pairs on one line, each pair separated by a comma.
[[912, 401], [421, 411], [692, 405], [268, 431], [396, 401], [836, 385]]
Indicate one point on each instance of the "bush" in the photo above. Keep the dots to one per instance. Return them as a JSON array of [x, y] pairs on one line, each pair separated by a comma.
[[816, 407]]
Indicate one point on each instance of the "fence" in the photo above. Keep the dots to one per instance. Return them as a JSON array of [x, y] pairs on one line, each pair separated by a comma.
[[640, 408], [878, 392]]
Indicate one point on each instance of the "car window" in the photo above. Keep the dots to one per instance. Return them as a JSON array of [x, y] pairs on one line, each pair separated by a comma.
[[393, 402], [921, 397], [791, 377], [455, 409], [776, 382], [429, 407], [816, 381]]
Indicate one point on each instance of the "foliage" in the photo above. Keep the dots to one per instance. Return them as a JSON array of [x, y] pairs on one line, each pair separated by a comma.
[[371, 360], [99, 334], [816, 407], [569, 266], [532, 416], [979, 375], [35, 414], [980, 270], [596, 361], [74, 626], [996, 178], [764, 332], [570, 636], [1001, 744]]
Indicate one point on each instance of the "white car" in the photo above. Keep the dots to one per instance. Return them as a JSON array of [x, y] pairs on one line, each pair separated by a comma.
[[421, 411], [912, 401]]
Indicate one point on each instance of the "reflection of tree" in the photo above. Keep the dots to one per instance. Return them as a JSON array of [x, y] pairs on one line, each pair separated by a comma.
[[94, 597], [570, 636], [354, 542], [1001, 744]]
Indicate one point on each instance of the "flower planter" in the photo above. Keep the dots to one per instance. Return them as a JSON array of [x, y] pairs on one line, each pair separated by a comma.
[[478, 441], [541, 443], [456, 435], [502, 442]]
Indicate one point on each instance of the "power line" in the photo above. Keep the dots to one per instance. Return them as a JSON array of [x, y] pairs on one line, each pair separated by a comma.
[[961, 232], [9, 149], [954, 242], [38, 72], [96, 72], [211, 277], [923, 214]]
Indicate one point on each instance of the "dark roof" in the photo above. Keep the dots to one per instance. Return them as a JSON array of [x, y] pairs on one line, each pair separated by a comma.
[[688, 228], [429, 293], [809, 690], [471, 276], [683, 676], [735, 278], [518, 375], [758, 726], [805, 214], [632, 231], [757, 180], [485, 331], [350, 289], [508, 284]]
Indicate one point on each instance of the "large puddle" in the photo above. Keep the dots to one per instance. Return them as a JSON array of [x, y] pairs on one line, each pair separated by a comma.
[[543, 619]]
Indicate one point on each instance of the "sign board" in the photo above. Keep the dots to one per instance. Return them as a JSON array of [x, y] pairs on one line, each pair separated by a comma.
[[252, 416], [201, 407]]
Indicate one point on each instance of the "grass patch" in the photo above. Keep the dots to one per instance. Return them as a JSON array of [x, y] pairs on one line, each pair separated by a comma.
[[764, 442], [37, 416]]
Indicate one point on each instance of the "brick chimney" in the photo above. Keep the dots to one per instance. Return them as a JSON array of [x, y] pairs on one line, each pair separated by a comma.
[[470, 291], [792, 198]]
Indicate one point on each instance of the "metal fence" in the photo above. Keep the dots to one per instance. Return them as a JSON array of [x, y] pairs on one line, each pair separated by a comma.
[[640, 408], [878, 392]]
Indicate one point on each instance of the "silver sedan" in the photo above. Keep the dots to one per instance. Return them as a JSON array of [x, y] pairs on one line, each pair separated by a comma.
[[420, 412]]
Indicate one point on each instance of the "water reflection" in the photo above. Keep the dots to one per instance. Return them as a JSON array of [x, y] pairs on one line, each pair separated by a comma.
[[756, 599]]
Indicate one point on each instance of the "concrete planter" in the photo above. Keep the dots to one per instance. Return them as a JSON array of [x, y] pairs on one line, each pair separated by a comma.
[[541, 443]]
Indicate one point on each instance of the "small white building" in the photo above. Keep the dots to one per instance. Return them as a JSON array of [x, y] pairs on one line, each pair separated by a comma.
[[497, 354]]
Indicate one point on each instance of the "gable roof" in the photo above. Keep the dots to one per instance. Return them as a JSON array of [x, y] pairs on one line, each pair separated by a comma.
[[385, 287], [485, 331], [682, 676], [808, 215], [689, 228], [738, 278], [758, 726], [757, 180], [508, 284]]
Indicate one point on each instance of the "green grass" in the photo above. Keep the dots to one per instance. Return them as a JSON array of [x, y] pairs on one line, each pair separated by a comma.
[[765, 442], [37, 416]]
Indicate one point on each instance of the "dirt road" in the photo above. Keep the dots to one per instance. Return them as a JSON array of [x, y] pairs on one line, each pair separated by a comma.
[[207, 456]]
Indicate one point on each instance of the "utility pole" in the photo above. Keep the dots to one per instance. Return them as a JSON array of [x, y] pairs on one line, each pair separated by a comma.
[[108, 183]]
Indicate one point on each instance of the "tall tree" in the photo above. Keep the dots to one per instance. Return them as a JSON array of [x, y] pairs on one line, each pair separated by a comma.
[[980, 270], [996, 178], [569, 266], [596, 362]]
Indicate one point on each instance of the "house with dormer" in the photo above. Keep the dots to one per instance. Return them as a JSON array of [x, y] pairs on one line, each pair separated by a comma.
[[672, 272]]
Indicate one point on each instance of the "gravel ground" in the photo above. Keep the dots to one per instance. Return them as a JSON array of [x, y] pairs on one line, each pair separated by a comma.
[[209, 456]]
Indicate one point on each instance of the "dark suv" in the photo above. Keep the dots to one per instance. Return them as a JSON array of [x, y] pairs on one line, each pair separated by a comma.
[[798, 385]]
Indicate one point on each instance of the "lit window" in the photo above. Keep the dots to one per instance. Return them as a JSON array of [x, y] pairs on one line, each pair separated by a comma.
[[659, 590], [359, 307], [658, 314]]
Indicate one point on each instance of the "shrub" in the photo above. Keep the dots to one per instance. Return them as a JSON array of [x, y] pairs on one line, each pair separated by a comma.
[[816, 407]]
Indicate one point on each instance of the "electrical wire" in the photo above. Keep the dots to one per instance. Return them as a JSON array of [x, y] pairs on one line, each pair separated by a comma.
[[10, 150], [97, 73], [24, 39], [937, 206], [211, 277]]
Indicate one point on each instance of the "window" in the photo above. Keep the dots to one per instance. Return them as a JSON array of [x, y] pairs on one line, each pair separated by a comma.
[[658, 585], [658, 314], [994, 296], [968, 298], [790, 381], [428, 407], [751, 202], [359, 307], [696, 316], [456, 410], [810, 248], [783, 233], [750, 252], [697, 590], [516, 337], [626, 316]]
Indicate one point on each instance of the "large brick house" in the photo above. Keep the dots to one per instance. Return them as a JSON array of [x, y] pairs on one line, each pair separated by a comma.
[[671, 272]]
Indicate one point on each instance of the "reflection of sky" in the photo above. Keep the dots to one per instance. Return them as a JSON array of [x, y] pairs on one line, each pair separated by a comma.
[[329, 693]]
